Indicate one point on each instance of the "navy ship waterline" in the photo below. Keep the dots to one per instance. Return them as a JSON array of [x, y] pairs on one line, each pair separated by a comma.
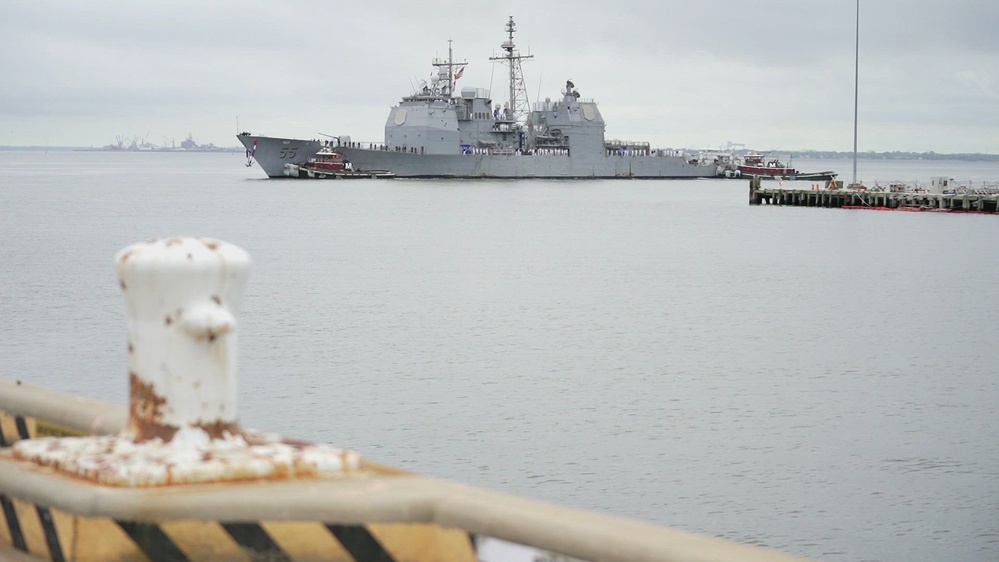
[[435, 133]]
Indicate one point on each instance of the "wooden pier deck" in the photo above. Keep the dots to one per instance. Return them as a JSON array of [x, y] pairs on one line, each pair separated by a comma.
[[833, 195]]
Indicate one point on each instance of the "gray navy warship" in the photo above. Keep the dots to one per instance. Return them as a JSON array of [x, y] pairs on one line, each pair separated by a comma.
[[435, 133]]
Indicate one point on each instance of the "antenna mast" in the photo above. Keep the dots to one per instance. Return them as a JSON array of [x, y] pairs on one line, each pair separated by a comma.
[[446, 72], [519, 105]]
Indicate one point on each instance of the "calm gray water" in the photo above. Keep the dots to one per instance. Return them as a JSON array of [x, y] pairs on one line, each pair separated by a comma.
[[818, 381]]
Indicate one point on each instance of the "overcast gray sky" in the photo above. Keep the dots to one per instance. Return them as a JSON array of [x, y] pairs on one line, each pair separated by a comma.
[[770, 74]]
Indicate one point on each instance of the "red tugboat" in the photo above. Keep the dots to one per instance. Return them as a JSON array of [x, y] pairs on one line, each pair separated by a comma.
[[327, 164], [753, 165]]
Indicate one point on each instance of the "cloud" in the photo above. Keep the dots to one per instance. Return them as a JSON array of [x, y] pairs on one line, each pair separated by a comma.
[[769, 73]]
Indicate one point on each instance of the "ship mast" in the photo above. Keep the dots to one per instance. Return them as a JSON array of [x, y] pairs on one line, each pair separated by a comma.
[[446, 70], [518, 104]]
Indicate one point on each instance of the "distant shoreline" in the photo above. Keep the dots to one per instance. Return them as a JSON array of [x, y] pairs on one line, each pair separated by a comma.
[[871, 155]]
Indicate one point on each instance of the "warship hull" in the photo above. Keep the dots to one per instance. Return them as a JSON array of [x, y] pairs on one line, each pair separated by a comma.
[[272, 153]]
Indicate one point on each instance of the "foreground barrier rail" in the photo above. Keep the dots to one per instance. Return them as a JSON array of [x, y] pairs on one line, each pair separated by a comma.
[[84, 480]]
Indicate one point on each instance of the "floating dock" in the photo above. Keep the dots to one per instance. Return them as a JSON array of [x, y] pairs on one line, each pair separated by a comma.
[[834, 195]]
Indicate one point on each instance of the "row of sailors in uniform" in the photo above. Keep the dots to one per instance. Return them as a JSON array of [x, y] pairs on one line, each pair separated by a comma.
[[625, 151], [517, 151], [620, 151], [369, 146]]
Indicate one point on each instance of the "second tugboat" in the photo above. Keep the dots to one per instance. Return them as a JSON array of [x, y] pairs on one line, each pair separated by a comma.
[[435, 133], [752, 165]]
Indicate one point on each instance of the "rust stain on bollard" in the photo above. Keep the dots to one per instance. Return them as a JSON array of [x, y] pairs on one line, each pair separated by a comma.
[[146, 418], [144, 415], [218, 429]]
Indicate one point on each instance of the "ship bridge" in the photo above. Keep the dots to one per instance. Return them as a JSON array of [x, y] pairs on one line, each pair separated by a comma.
[[426, 122]]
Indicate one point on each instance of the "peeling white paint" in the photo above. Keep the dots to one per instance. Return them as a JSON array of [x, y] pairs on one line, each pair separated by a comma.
[[119, 461]]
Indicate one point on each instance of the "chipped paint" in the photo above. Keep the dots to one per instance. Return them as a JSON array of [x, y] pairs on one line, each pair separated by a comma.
[[182, 298], [145, 417], [191, 457]]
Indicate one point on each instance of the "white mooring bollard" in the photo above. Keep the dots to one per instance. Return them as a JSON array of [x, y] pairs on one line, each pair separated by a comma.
[[182, 295]]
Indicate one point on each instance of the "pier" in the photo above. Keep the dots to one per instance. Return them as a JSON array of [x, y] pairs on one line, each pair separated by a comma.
[[834, 195], [173, 476]]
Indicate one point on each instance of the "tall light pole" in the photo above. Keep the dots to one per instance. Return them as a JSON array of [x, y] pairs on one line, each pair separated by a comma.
[[856, 90]]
